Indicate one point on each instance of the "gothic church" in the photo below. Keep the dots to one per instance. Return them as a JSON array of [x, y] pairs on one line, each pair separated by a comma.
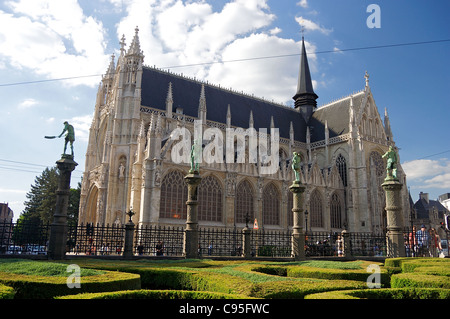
[[129, 163]]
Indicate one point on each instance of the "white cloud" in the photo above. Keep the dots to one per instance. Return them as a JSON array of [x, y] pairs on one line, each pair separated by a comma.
[[303, 3], [27, 103], [310, 25], [81, 125], [177, 33], [53, 38], [428, 173]]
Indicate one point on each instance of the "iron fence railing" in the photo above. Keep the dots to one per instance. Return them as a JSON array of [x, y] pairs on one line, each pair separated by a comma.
[[22, 238], [151, 240]]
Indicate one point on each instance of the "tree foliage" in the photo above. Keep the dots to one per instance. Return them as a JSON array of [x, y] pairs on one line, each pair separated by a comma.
[[41, 202]]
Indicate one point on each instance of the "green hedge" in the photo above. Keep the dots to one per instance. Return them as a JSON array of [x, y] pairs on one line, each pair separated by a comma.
[[6, 292], [44, 287], [419, 280], [298, 289], [384, 293], [335, 274], [154, 294]]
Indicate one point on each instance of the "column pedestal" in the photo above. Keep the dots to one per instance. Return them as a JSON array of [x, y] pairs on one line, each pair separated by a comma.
[[298, 236], [394, 237], [58, 229], [191, 240]]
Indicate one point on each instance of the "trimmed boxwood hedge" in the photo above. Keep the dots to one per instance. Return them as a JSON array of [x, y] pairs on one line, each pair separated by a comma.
[[154, 294], [44, 287], [419, 280], [384, 293], [6, 292]]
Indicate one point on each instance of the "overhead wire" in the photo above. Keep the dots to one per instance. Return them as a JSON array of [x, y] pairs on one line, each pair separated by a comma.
[[241, 60]]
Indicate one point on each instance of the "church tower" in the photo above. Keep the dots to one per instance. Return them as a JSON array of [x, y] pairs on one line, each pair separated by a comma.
[[305, 98]]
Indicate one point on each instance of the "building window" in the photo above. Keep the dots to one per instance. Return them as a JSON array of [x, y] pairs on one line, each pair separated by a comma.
[[210, 199], [341, 165], [244, 202], [316, 208], [271, 205], [336, 211], [173, 196]]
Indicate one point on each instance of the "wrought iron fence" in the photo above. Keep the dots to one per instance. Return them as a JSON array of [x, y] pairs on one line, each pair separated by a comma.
[[153, 240], [26, 238], [367, 244], [220, 242], [271, 243], [89, 239]]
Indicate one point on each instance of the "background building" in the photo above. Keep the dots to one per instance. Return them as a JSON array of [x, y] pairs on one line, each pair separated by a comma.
[[129, 162]]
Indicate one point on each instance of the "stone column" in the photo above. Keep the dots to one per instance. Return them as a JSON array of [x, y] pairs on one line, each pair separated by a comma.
[[129, 237], [394, 237], [58, 229], [298, 237], [190, 245], [246, 243]]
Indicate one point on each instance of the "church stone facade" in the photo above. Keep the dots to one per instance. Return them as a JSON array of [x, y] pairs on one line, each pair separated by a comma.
[[129, 164]]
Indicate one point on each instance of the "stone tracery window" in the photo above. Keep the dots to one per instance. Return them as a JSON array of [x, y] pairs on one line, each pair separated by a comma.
[[210, 199], [271, 205], [336, 211], [341, 165], [316, 208], [173, 196], [244, 201]]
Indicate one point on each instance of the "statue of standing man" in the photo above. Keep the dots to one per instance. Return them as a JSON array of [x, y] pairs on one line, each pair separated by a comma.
[[70, 136], [296, 166], [194, 165], [391, 167]]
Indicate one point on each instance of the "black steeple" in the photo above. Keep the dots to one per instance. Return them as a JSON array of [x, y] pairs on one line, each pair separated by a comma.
[[305, 98]]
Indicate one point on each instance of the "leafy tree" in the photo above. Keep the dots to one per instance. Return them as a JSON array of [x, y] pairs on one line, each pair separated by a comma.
[[42, 197], [41, 203]]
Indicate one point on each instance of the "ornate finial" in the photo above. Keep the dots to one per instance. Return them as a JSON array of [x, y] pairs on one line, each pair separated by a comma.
[[122, 44], [130, 214], [366, 76]]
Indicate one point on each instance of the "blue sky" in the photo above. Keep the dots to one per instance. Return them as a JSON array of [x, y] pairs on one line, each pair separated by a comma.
[[46, 40]]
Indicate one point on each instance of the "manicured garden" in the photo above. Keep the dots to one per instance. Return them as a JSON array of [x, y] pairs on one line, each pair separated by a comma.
[[399, 278]]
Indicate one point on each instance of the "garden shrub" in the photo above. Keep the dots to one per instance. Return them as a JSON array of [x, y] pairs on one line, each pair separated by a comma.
[[419, 280], [154, 294], [6, 292], [384, 293], [335, 274], [42, 287]]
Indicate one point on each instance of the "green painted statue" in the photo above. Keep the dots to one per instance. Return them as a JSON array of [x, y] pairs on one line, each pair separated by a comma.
[[296, 166], [194, 165], [391, 166], [70, 136]]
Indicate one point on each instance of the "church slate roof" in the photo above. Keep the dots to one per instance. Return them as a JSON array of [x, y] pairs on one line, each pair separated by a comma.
[[337, 116], [186, 94]]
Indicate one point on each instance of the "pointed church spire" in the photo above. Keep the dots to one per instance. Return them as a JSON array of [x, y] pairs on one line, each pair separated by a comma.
[[305, 98], [202, 105], [135, 47], [169, 102]]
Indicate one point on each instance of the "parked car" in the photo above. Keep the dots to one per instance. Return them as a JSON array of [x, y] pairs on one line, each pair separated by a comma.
[[36, 250], [444, 245], [14, 250]]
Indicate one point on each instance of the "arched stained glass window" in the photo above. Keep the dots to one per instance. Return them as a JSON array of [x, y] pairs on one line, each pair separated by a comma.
[[336, 211], [173, 196], [244, 201], [341, 165], [210, 199], [271, 205], [316, 208]]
